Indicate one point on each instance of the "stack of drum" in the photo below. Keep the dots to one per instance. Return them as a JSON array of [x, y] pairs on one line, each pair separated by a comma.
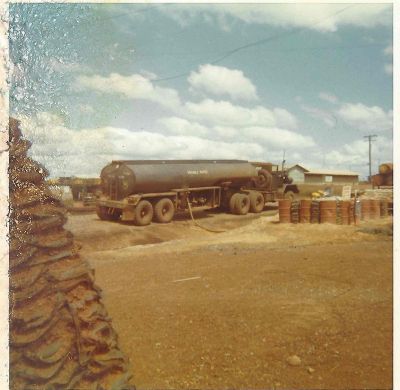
[[384, 208], [305, 211], [331, 210], [314, 218], [328, 211], [295, 212]]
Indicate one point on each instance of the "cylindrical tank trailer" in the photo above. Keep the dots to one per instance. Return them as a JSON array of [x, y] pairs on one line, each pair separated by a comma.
[[123, 178], [142, 190]]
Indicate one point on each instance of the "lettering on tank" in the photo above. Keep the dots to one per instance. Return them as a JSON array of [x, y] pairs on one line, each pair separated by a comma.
[[198, 172]]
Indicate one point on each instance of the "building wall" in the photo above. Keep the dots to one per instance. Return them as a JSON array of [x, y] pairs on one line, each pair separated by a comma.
[[297, 174], [330, 179], [345, 179], [314, 179]]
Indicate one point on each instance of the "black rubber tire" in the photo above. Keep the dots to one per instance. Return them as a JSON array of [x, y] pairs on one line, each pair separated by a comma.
[[242, 204], [256, 202], [143, 213], [101, 212], [232, 202], [264, 179], [164, 211], [290, 195], [104, 214]]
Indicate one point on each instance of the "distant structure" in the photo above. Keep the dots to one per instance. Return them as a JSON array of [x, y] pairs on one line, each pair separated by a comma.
[[77, 186], [300, 174]]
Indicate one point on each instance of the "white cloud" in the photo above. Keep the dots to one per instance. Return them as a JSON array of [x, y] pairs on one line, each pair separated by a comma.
[[365, 118], [277, 139], [218, 80], [224, 113], [181, 126], [325, 116], [59, 65], [85, 152], [322, 16], [388, 68], [284, 118], [134, 86], [329, 97], [354, 155], [388, 50]]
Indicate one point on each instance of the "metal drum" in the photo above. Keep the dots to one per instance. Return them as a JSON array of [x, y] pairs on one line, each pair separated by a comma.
[[345, 210], [328, 211], [284, 210], [305, 211], [384, 208], [365, 209], [375, 208]]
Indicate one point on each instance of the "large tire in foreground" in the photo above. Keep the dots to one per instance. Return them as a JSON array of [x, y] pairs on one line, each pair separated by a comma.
[[242, 204], [164, 210], [143, 213], [61, 336], [256, 202]]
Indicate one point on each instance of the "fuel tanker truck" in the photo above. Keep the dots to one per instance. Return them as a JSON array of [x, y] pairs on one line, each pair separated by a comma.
[[154, 190]]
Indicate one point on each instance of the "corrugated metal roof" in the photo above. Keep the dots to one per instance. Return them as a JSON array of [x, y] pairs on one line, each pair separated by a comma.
[[330, 172]]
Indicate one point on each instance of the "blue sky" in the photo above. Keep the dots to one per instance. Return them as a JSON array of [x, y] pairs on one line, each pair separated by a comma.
[[96, 82]]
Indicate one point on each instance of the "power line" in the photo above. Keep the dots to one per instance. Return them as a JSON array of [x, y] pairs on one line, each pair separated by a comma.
[[256, 43], [144, 55]]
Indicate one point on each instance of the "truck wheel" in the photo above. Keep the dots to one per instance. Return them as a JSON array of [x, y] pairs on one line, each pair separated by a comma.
[[164, 210], [115, 215], [102, 213], [264, 179], [143, 213], [232, 202], [290, 195], [242, 204], [256, 202]]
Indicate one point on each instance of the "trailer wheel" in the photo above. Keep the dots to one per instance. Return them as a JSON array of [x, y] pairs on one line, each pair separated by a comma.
[[104, 213], [101, 212], [232, 202], [256, 202], [242, 204], [143, 213], [164, 210]]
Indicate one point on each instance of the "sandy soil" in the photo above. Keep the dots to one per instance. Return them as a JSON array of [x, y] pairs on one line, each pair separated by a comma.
[[195, 309]]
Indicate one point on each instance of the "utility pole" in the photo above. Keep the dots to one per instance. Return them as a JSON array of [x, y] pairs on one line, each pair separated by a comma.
[[370, 138]]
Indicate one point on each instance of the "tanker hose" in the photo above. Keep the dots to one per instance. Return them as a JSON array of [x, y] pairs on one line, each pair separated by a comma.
[[200, 226]]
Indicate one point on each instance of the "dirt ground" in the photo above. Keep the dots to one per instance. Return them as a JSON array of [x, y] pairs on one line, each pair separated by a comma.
[[195, 309]]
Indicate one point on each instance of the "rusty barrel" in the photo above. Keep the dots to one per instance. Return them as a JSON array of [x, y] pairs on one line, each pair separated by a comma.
[[384, 208], [305, 211], [345, 210], [328, 211], [284, 210], [365, 209], [352, 212], [375, 208]]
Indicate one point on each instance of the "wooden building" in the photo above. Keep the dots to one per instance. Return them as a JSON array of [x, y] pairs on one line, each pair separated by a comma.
[[300, 175]]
